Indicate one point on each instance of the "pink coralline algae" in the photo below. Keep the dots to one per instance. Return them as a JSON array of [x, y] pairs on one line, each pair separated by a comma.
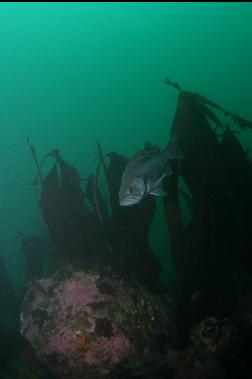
[[82, 326], [62, 343], [73, 296], [108, 350]]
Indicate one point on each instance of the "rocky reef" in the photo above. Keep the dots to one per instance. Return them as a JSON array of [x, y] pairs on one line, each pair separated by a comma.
[[88, 325]]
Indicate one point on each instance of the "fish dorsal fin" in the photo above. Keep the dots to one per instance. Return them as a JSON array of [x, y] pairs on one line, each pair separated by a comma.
[[146, 152], [149, 147]]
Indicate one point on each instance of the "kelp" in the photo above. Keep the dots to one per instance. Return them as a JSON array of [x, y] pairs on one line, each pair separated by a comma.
[[94, 192], [197, 141], [34, 253], [96, 198], [211, 248], [172, 84], [131, 226], [64, 213], [34, 155], [77, 236], [204, 101], [125, 230], [8, 298], [94, 236], [241, 122]]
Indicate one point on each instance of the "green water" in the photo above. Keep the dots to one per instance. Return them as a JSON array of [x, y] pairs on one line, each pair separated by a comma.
[[72, 73]]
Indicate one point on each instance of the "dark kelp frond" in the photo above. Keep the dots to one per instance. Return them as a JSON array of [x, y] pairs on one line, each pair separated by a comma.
[[241, 122], [172, 84]]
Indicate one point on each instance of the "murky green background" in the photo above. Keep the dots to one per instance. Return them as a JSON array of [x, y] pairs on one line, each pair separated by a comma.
[[72, 73]]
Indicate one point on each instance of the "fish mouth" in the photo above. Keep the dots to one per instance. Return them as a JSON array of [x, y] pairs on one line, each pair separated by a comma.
[[125, 202]]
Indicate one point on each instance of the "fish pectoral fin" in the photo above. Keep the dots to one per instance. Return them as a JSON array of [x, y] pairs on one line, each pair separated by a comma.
[[155, 187], [158, 192], [168, 170]]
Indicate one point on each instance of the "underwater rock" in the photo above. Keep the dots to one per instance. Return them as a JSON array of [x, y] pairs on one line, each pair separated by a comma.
[[88, 325], [215, 336], [192, 364], [212, 353]]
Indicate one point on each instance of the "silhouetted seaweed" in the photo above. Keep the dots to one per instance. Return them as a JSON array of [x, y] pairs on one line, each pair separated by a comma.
[[131, 226], [172, 84], [210, 250], [95, 197], [34, 252], [74, 231], [34, 155], [241, 122], [8, 298]]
